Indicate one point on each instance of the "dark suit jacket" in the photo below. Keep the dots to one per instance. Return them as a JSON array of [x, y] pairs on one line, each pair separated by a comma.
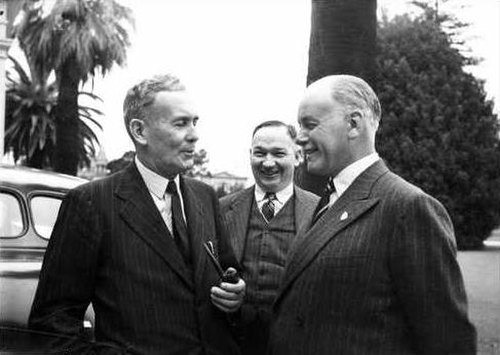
[[376, 274], [111, 247], [236, 209]]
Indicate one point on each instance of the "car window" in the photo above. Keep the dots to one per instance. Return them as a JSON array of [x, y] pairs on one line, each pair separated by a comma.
[[11, 216], [44, 210]]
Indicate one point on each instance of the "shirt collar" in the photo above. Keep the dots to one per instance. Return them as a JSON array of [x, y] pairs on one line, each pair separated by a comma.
[[155, 183], [282, 196], [346, 177]]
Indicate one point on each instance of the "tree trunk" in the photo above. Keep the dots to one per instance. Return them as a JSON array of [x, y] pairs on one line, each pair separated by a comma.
[[66, 149], [36, 160], [343, 35]]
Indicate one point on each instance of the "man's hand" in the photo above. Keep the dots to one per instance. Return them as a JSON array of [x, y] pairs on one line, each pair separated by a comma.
[[228, 296]]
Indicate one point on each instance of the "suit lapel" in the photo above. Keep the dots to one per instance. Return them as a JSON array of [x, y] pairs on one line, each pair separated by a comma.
[[346, 210], [237, 220], [195, 218], [141, 214], [304, 209]]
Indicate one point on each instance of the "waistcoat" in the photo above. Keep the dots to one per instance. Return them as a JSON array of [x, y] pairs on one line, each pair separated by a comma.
[[266, 248]]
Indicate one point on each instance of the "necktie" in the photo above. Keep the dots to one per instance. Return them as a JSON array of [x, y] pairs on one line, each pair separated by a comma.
[[324, 201], [268, 206], [179, 228]]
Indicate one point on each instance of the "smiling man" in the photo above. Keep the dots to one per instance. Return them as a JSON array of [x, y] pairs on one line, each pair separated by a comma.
[[376, 273], [132, 244], [262, 222]]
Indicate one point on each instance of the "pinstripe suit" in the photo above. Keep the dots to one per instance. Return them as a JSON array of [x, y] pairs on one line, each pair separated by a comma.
[[111, 247], [376, 274]]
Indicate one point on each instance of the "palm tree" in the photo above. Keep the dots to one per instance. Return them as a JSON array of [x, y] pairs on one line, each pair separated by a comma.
[[75, 40], [30, 123], [30, 120], [342, 41]]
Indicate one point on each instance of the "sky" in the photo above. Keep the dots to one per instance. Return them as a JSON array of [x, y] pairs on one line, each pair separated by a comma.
[[245, 61]]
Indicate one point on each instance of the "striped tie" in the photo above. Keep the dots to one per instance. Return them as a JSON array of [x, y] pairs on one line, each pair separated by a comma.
[[324, 201], [268, 206]]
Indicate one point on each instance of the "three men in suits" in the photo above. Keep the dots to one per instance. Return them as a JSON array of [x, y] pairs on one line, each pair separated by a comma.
[[262, 222], [132, 244], [376, 273]]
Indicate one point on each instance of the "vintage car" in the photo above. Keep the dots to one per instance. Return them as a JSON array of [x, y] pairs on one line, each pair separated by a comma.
[[29, 204]]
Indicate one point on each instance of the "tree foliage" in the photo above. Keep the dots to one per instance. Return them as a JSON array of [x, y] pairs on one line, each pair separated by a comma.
[[438, 129], [199, 168], [74, 40], [30, 119]]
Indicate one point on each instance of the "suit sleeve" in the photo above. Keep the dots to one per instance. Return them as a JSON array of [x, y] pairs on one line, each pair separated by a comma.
[[68, 272], [428, 281]]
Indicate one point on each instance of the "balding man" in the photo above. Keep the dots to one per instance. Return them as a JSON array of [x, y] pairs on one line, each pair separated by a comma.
[[376, 273]]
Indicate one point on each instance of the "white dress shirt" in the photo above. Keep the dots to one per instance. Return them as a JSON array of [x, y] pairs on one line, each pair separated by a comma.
[[346, 177], [157, 185], [281, 197]]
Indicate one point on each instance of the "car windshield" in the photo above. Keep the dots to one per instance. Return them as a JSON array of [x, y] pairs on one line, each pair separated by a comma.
[[44, 211]]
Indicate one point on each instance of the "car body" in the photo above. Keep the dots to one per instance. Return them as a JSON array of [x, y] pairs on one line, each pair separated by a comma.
[[29, 203]]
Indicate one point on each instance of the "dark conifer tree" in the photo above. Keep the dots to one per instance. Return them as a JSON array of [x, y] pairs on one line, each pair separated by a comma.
[[438, 129]]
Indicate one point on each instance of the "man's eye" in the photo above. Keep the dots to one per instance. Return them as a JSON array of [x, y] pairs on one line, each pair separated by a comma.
[[181, 123], [280, 154], [308, 126], [258, 154]]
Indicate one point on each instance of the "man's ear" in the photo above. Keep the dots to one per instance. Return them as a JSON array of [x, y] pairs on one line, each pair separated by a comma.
[[355, 124], [299, 157], [136, 127]]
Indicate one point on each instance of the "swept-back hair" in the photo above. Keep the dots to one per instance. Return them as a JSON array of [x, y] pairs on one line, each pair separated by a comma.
[[354, 92], [143, 94]]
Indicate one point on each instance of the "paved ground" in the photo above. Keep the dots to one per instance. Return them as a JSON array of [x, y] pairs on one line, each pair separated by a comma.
[[481, 270]]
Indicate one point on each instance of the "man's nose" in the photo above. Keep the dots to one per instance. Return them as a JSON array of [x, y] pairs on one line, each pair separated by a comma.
[[268, 161], [301, 137], [192, 135]]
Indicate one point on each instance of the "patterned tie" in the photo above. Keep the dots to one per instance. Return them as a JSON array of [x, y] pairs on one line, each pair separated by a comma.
[[268, 206], [324, 201], [178, 224]]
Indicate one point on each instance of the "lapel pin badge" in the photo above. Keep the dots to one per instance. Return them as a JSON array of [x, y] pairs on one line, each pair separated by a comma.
[[344, 216]]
